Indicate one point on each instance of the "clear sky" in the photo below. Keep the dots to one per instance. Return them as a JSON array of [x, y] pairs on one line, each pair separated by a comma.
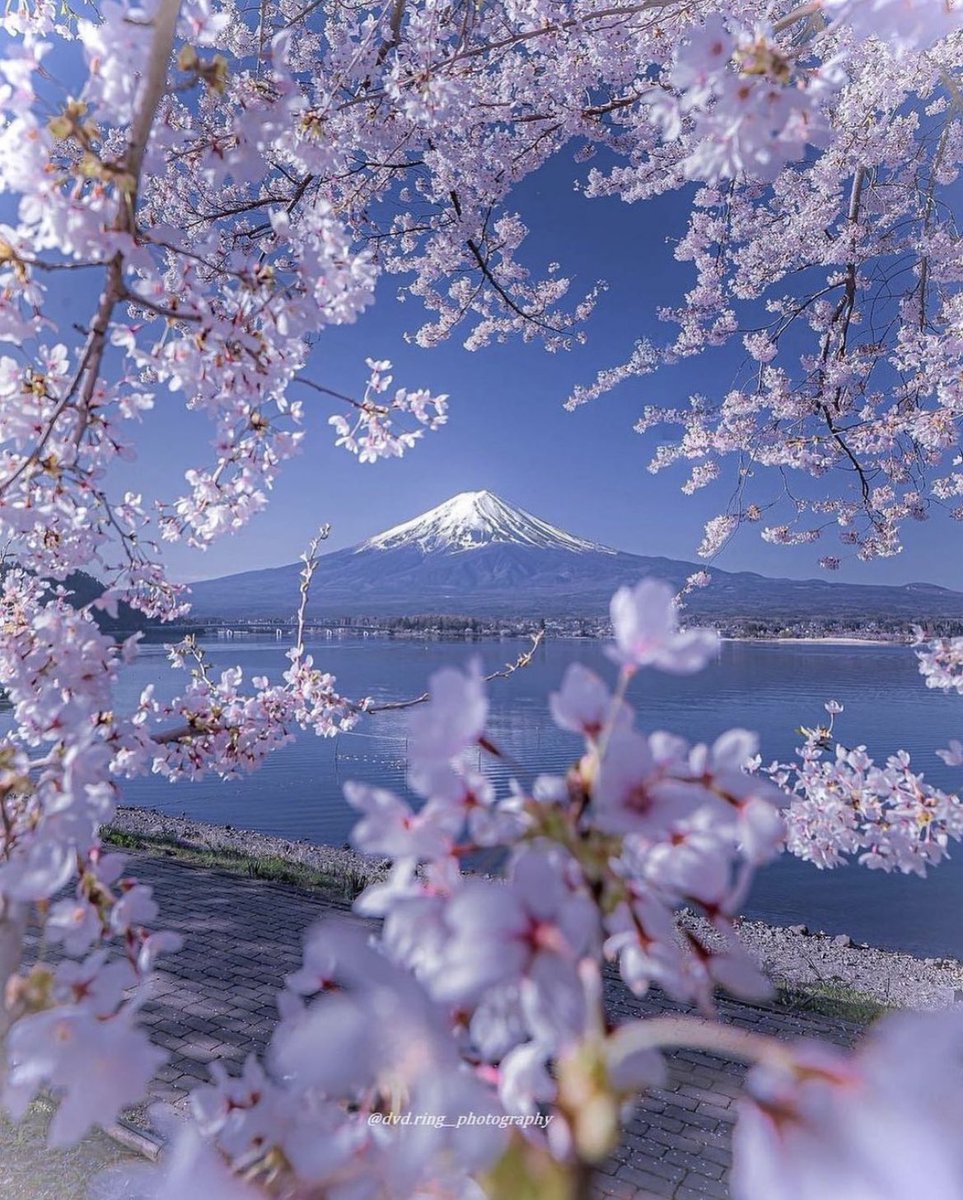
[[584, 471]]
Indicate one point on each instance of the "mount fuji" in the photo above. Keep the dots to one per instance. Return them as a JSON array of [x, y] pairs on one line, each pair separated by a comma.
[[472, 521], [477, 555]]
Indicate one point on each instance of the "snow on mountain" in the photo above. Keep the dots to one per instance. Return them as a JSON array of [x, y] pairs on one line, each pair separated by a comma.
[[472, 520]]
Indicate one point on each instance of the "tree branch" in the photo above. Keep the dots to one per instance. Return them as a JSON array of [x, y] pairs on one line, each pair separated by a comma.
[[523, 660]]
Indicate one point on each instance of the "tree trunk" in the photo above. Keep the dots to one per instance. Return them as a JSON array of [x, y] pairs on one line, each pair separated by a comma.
[[13, 923]]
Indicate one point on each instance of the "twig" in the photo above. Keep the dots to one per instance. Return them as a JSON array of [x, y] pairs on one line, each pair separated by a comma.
[[161, 310], [523, 660], [364, 406], [307, 573]]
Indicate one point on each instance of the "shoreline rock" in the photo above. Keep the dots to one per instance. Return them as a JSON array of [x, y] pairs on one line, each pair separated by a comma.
[[890, 977], [789, 955]]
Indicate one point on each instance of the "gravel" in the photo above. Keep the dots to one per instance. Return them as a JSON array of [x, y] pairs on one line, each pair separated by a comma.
[[789, 956], [201, 835], [793, 955]]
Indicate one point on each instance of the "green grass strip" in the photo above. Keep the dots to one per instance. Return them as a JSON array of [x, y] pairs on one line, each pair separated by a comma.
[[831, 998], [343, 882]]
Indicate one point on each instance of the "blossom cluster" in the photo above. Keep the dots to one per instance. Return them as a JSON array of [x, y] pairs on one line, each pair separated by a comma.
[[941, 665], [751, 111], [845, 805], [371, 436], [217, 725], [941, 662]]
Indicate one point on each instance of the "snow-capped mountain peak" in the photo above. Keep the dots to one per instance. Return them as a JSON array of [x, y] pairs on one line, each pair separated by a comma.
[[471, 520]]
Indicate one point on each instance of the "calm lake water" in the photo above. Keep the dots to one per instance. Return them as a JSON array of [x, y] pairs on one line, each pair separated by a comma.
[[770, 688]]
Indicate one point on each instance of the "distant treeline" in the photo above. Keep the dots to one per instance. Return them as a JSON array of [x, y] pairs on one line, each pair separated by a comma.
[[895, 628], [436, 622], [777, 625]]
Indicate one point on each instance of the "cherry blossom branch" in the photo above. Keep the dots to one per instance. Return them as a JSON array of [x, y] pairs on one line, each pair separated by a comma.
[[810, 9], [154, 85], [523, 660], [163, 27], [160, 310], [326, 391]]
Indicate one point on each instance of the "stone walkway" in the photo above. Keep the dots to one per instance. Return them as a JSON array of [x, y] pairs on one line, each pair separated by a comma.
[[215, 1000]]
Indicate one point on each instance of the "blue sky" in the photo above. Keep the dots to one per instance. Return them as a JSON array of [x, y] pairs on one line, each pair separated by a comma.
[[507, 431]]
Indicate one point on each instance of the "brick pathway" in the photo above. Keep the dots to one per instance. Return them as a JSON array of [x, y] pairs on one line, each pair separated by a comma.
[[214, 1000]]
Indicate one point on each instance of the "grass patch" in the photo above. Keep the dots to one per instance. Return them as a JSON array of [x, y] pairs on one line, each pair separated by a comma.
[[344, 882], [831, 998]]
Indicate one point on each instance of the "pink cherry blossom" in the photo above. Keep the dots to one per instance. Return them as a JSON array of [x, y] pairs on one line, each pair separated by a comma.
[[389, 827], [74, 923], [645, 624], [452, 721], [100, 1067], [629, 797], [585, 705], [534, 928], [814, 1122], [953, 756]]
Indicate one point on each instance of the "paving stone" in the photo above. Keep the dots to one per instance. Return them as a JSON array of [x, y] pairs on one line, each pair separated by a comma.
[[710, 1095], [657, 1185], [663, 1120], [717, 1154], [715, 1113], [694, 1188], [693, 1162], [655, 1164], [618, 1189], [674, 1141]]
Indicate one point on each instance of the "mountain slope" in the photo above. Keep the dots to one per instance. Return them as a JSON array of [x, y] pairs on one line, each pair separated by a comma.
[[477, 555]]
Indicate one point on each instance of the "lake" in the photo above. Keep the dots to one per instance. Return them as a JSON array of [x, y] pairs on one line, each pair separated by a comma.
[[771, 688]]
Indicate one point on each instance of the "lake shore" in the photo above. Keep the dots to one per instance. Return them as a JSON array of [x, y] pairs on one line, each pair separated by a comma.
[[525, 635], [800, 962], [820, 641]]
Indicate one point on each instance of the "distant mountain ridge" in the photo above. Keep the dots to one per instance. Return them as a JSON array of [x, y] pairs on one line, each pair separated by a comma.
[[478, 555]]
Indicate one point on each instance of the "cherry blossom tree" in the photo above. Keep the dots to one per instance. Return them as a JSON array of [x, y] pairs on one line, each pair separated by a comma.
[[228, 182]]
